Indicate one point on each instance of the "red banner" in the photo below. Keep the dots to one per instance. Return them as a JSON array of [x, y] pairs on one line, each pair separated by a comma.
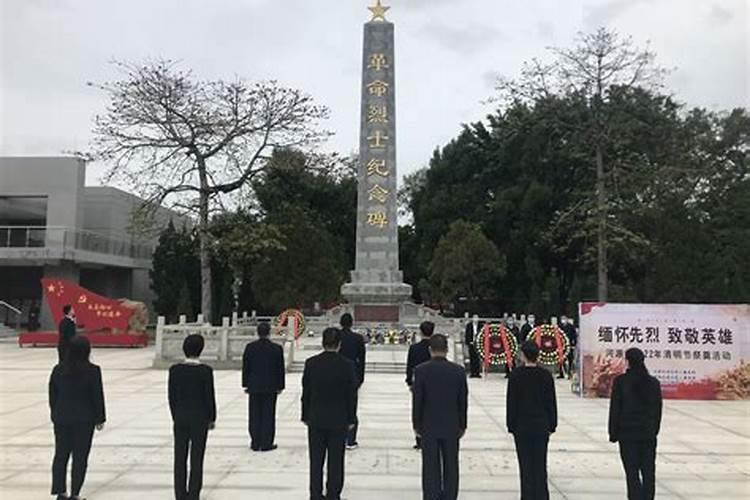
[[93, 312]]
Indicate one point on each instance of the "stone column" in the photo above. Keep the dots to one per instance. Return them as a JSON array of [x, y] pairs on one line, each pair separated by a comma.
[[376, 278]]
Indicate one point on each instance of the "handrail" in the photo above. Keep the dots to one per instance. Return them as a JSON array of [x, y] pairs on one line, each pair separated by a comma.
[[13, 309], [70, 237]]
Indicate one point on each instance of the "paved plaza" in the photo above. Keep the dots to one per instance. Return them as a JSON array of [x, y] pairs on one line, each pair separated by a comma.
[[704, 449]]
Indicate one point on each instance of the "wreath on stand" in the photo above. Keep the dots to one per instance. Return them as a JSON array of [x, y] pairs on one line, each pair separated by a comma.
[[553, 344], [282, 320], [496, 345]]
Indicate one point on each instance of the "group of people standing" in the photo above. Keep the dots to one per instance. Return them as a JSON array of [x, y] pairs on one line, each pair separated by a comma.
[[330, 385]]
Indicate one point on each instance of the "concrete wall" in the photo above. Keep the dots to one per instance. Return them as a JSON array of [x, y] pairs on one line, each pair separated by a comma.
[[60, 179], [109, 210]]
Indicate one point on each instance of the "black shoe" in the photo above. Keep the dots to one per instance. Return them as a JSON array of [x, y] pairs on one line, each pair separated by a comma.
[[63, 497], [352, 446], [270, 448]]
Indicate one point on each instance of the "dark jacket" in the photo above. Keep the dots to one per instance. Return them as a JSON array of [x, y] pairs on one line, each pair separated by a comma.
[[263, 367], [531, 404], [76, 396], [66, 330], [469, 336], [353, 349], [634, 410], [328, 390], [418, 354], [571, 333], [440, 399], [191, 394], [524, 332]]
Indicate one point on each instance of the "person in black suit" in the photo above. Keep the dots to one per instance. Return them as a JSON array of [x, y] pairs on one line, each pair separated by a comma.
[[439, 408], [76, 400], [570, 331], [353, 349], [193, 407], [634, 421], [531, 416], [66, 331], [419, 353], [526, 328], [329, 388], [263, 379], [473, 328]]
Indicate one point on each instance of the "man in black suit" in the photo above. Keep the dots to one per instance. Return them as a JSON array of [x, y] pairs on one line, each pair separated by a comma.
[[263, 379], [473, 328], [531, 416], [439, 408], [66, 330], [419, 353], [193, 407], [526, 328], [329, 388], [353, 349]]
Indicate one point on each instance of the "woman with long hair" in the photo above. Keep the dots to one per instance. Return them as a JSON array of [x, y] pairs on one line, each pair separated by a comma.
[[634, 420], [76, 400]]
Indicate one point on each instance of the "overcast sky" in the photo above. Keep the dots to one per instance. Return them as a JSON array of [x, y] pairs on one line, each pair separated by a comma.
[[448, 54]]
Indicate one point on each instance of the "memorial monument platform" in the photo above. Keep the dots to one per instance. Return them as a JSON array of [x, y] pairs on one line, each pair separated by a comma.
[[704, 447]]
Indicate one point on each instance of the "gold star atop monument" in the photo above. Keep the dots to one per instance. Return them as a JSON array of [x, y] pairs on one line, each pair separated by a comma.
[[378, 11]]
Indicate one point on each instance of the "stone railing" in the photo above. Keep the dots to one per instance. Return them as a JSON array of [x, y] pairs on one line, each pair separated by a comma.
[[225, 344]]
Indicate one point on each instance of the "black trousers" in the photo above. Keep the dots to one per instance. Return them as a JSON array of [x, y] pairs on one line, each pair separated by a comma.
[[474, 364], [326, 446], [531, 449], [189, 438], [262, 420], [71, 440], [439, 468], [639, 461], [351, 435]]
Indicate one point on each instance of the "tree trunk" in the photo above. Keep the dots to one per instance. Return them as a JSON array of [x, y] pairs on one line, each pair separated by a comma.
[[601, 233], [205, 249]]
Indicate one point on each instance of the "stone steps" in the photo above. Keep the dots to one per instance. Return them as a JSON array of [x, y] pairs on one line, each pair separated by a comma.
[[7, 332]]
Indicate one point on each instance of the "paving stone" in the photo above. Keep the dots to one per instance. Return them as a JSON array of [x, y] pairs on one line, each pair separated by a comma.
[[704, 448]]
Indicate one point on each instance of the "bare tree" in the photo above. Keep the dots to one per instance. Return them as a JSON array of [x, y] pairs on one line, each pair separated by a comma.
[[191, 144], [597, 63]]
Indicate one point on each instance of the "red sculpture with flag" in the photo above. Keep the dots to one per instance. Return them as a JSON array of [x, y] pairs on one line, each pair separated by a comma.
[[93, 312], [105, 321]]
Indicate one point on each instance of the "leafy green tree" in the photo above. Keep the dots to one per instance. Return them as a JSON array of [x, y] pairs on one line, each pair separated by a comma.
[[310, 268], [600, 65], [465, 264], [175, 273]]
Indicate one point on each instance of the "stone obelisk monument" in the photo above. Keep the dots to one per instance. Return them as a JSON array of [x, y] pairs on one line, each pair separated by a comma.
[[377, 286]]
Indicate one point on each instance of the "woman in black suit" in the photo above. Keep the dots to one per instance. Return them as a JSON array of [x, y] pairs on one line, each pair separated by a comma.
[[76, 400], [634, 421]]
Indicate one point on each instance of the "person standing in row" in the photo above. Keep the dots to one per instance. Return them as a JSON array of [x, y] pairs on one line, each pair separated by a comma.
[[192, 404], [419, 353], [569, 328], [66, 331], [531, 415], [329, 388], [635, 410], [263, 377], [526, 328], [470, 338], [76, 400], [353, 349], [439, 416]]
